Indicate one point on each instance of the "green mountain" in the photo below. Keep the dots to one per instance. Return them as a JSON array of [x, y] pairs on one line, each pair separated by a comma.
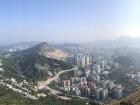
[[33, 63], [132, 99], [9, 97]]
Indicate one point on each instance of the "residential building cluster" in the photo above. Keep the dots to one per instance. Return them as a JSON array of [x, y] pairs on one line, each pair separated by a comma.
[[99, 90], [18, 90], [83, 60], [88, 81], [1, 69], [135, 76]]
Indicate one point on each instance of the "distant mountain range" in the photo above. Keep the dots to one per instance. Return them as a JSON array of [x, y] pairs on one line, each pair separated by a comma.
[[16, 47], [19, 44], [119, 42]]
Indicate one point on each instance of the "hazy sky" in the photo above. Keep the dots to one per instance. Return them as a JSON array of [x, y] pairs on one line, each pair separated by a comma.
[[68, 20]]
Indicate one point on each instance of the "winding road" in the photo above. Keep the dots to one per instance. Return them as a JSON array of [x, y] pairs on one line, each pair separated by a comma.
[[44, 84]]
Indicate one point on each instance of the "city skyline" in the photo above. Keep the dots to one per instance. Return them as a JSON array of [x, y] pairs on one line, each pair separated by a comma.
[[68, 21]]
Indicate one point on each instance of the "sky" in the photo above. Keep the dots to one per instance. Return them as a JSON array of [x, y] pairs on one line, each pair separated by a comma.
[[62, 21]]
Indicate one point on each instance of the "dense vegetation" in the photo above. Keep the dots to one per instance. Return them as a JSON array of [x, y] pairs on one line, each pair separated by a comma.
[[27, 64], [131, 58], [32, 66], [67, 75], [125, 61], [9, 97], [11, 69], [119, 76]]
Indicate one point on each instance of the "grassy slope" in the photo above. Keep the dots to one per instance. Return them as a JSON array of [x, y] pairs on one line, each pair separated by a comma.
[[133, 99], [26, 65]]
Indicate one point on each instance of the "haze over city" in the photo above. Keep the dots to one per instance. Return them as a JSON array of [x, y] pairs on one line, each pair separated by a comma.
[[69, 52], [68, 20]]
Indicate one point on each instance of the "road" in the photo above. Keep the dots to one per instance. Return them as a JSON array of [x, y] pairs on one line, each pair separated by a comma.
[[44, 84]]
